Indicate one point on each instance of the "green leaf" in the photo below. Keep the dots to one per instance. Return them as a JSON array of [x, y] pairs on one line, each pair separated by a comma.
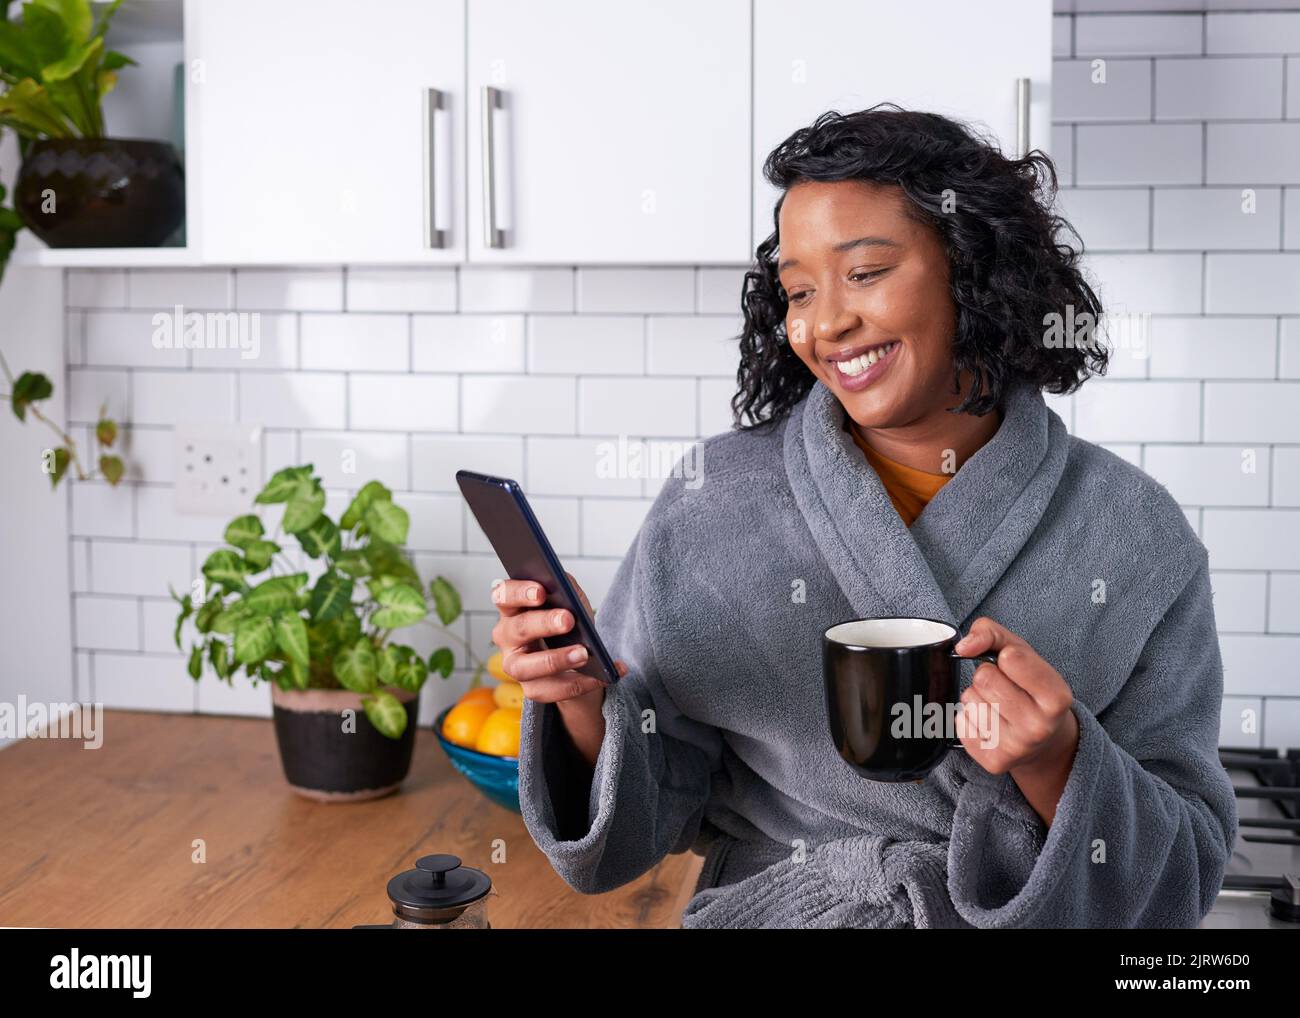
[[400, 605], [442, 661], [291, 637], [115, 61], [219, 655], [226, 567], [353, 562], [106, 432], [382, 582], [299, 675], [412, 673], [29, 108], [29, 388], [187, 608], [195, 667], [283, 484], [374, 491], [446, 600], [75, 15], [389, 560], [62, 460], [354, 666], [321, 538], [207, 612], [279, 593], [304, 507], [258, 554], [226, 621], [64, 68], [331, 597], [390, 659], [254, 639], [112, 468], [387, 522], [243, 531], [15, 55], [386, 713]]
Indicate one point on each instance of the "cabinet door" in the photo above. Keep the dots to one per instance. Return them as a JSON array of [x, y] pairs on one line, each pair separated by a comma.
[[319, 139], [620, 132], [953, 57]]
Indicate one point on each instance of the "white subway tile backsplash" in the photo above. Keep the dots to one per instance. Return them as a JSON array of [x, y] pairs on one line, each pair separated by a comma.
[[1109, 219], [1228, 347], [1252, 283], [1217, 218], [1252, 155], [198, 289], [282, 399], [1088, 90], [1105, 35], [1252, 538], [176, 397], [1286, 476], [469, 343], [1239, 600], [1252, 411], [720, 289], [715, 414], [1154, 284], [1062, 36], [1289, 353], [1256, 32], [643, 290], [100, 510], [96, 288], [1141, 154], [159, 520], [1240, 722], [127, 339], [349, 460], [106, 623], [159, 619], [586, 344], [92, 390], [1262, 665], [436, 523], [138, 567], [516, 289], [403, 402], [584, 466], [504, 403], [1291, 206], [1284, 603], [436, 458], [1211, 474], [289, 289], [137, 682], [693, 345], [79, 553], [1219, 88], [255, 341], [1282, 721], [356, 342], [395, 289], [1107, 411], [279, 450], [640, 406]]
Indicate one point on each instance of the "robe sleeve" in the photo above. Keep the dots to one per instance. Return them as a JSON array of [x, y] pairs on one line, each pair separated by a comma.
[[646, 796], [1147, 820]]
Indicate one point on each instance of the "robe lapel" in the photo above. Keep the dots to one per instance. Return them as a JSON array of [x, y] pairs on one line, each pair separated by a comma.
[[964, 540]]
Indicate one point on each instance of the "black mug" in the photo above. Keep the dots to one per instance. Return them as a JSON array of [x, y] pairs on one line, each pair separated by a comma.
[[886, 680]]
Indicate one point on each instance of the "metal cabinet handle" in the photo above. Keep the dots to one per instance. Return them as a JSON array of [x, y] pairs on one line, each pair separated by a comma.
[[432, 103], [1022, 117], [491, 235]]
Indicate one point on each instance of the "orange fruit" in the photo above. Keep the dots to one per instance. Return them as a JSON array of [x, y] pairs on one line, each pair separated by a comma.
[[500, 733], [481, 694], [464, 722], [495, 669], [509, 694]]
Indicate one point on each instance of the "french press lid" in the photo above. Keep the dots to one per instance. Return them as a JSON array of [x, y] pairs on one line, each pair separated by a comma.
[[437, 890]]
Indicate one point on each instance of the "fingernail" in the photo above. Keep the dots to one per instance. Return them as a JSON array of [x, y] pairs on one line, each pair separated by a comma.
[[578, 655], [534, 592], [558, 618], [496, 591]]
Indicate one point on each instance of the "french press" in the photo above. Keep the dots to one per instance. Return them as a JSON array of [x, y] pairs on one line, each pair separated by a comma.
[[439, 894]]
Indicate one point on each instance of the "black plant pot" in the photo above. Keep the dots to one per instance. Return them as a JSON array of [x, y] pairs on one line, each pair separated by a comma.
[[101, 192], [324, 762]]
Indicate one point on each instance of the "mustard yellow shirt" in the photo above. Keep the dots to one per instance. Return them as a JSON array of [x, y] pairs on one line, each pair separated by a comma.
[[909, 489]]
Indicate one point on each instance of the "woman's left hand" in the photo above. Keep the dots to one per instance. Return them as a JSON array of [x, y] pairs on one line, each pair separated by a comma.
[[1037, 732]]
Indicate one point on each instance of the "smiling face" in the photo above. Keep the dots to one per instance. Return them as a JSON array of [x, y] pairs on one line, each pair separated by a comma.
[[870, 313]]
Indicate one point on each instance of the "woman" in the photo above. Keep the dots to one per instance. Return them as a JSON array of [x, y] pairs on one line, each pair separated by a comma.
[[900, 461]]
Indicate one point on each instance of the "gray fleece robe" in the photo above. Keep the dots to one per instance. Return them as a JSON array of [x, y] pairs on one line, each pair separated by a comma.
[[718, 740]]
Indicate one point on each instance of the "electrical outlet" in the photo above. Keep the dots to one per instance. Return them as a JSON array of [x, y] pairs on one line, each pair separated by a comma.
[[218, 468]]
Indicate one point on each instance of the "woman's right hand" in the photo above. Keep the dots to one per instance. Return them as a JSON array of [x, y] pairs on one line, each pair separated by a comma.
[[545, 675]]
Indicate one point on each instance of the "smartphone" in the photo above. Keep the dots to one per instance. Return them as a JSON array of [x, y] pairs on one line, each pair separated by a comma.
[[507, 519]]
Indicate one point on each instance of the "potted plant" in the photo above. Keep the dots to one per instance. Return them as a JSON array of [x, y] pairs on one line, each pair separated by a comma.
[[77, 188], [344, 694]]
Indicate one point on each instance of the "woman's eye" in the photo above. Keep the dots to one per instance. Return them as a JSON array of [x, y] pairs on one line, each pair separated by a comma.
[[866, 275], [798, 298]]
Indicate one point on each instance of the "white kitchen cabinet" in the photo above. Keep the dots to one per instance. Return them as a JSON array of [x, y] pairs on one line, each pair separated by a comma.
[[619, 133], [327, 131], [952, 57]]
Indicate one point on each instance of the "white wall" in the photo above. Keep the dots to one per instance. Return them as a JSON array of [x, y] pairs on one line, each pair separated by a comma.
[[35, 639]]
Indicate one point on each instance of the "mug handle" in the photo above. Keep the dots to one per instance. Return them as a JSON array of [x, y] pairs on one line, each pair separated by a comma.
[[988, 659]]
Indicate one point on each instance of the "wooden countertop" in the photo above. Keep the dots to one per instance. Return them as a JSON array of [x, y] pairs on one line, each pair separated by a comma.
[[106, 838]]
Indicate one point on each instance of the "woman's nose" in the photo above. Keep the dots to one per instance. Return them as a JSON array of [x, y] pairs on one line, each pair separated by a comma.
[[830, 325]]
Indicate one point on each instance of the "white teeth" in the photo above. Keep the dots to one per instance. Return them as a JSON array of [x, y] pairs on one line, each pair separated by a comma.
[[859, 364]]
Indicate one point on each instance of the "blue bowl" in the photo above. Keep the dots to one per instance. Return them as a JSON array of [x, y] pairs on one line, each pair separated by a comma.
[[497, 777]]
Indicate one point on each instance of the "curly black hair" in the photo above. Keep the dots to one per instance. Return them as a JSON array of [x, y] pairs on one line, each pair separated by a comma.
[[1007, 270]]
